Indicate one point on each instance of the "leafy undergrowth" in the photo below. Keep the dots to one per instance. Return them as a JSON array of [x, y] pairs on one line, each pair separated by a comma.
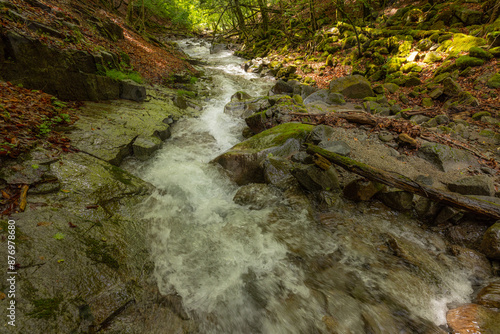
[[31, 117]]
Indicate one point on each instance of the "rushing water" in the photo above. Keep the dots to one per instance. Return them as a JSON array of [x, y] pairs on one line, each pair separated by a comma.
[[284, 269]]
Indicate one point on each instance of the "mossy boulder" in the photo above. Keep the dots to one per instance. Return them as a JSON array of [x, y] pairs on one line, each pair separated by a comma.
[[391, 87], [466, 61], [480, 53], [353, 86], [432, 57], [494, 81], [394, 64], [495, 52], [411, 67], [427, 102], [243, 161], [461, 43], [424, 44], [468, 17]]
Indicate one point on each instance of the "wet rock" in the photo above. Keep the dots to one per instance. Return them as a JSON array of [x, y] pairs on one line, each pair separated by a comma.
[[362, 190], [489, 296], [240, 96], [277, 171], [256, 195], [315, 179], [120, 124], [326, 97], [474, 262], [218, 47], [445, 158], [243, 161], [490, 245], [473, 185], [144, 148], [354, 86], [473, 318], [397, 199], [246, 107], [102, 257]]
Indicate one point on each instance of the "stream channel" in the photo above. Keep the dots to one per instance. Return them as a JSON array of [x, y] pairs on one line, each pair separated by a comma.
[[363, 269]]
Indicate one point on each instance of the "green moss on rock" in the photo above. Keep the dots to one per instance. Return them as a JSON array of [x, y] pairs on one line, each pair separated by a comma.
[[466, 61], [461, 43], [480, 53], [494, 81]]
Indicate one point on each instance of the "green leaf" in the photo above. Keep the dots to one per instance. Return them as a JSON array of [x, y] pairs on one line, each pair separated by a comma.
[[58, 236]]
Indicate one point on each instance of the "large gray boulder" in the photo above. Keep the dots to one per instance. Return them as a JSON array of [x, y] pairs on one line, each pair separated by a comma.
[[326, 97], [473, 185], [446, 158], [490, 244], [353, 86], [244, 160]]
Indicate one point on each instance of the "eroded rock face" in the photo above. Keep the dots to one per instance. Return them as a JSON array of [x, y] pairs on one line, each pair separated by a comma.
[[66, 74]]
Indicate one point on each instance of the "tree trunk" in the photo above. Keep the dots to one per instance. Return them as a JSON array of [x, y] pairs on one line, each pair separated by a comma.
[[130, 12], [239, 16], [313, 15], [263, 13], [495, 12], [483, 208]]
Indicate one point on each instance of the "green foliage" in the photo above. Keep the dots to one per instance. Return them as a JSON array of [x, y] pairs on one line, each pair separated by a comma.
[[182, 92], [119, 75], [181, 12]]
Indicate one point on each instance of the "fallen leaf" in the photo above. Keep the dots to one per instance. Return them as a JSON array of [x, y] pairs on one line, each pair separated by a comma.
[[93, 206], [65, 191], [23, 200], [44, 224], [2, 296], [72, 225]]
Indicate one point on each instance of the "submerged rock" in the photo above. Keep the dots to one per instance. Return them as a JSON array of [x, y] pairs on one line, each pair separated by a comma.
[[489, 296], [473, 318]]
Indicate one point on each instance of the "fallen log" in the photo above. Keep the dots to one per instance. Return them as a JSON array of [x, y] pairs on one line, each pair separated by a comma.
[[402, 182]]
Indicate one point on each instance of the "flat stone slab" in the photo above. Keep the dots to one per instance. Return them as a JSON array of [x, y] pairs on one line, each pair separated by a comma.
[[108, 130]]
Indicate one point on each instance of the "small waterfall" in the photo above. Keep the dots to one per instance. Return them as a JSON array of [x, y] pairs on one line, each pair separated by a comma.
[[278, 270]]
